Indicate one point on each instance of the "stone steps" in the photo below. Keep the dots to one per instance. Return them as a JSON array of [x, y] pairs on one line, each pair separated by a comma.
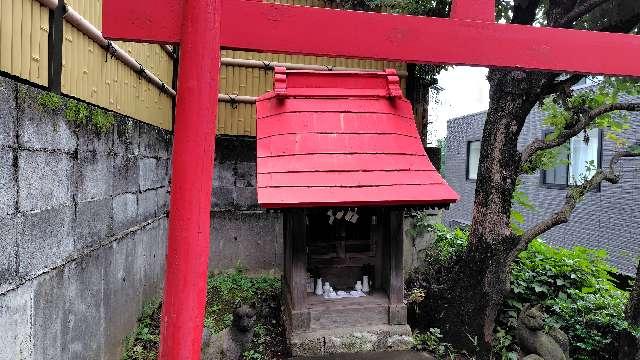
[[384, 355]]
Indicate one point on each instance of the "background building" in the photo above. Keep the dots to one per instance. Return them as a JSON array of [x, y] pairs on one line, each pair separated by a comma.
[[608, 218]]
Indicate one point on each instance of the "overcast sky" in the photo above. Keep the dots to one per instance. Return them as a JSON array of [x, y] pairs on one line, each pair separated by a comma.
[[466, 91]]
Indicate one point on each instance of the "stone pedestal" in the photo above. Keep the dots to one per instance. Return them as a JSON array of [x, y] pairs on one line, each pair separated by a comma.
[[351, 340]]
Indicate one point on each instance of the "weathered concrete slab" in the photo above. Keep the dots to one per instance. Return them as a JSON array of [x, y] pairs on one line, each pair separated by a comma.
[[125, 174], [245, 197], [163, 200], [9, 253], [90, 140], [8, 182], [125, 211], [43, 129], [119, 295], [44, 180], [50, 316], [83, 281], [16, 337], [153, 173], [351, 340], [94, 176], [252, 239], [385, 355], [222, 198], [147, 205], [8, 112], [94, 222], [45, 239], [154, 142], [126, 136]]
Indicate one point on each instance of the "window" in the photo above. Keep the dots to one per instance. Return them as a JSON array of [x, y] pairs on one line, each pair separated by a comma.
[[582, 160], [584, 156], [473, 159], [558, 176]]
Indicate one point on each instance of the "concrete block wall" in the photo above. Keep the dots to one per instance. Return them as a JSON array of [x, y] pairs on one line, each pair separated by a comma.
[[241, 233], [82, 229], [607, 219]]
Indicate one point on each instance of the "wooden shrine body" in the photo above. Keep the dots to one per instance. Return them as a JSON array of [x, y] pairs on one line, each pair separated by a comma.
[[202, 27]]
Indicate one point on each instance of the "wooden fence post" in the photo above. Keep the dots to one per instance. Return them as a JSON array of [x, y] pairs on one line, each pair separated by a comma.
[[56, 37]]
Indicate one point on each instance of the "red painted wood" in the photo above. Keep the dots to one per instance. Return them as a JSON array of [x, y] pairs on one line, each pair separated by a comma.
[[142, 20], [332, 122], [396, 106], [348, 178], [360, 196], [342, 162], [347, 156], [478, 10], [192, 160], [329, 32], [296, 144], [323, 32]]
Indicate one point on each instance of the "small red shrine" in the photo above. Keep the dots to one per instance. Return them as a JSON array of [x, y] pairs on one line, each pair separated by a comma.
[[339, 154]]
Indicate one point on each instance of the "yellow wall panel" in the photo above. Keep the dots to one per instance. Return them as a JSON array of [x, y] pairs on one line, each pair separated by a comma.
[[240, 119], [89, 74], [24, 31]]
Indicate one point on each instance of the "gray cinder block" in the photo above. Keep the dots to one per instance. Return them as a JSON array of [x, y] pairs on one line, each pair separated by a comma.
[[45, 239], [8, 115], [44, 180], [43, 129], [8, 244], [125, 211], [94, 176], [125, 174], [8, 186], [147, 205], [93, 222]]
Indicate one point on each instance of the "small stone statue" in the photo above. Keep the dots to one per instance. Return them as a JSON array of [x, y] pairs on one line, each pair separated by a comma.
[[534, 341], [232, 342]]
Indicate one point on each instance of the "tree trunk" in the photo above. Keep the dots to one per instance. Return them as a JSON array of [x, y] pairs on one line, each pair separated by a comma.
[[471, 296], [630, 344]]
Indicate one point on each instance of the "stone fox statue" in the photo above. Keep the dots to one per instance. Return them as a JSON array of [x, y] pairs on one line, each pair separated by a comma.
[[232, 342], [551, 345]]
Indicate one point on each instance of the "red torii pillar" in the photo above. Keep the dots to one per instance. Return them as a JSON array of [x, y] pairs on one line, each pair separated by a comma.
[[470, 37]]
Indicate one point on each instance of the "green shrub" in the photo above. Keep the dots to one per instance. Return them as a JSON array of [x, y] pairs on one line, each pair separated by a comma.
[[77, 112], [142, 344], [431, 341], [448, 243], [50, 102], [102, 120], [574, 286], [576, 289], [223, 291]]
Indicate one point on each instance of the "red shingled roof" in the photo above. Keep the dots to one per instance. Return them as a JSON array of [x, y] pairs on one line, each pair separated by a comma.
[[342, 139]]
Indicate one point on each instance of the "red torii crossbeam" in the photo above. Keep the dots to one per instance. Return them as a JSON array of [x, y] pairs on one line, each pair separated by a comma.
[[202, 27]]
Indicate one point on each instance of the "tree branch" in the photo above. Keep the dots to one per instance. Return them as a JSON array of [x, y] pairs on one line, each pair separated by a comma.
[[573, 197], [563, 85], [578, 126], [580, 11], [524, 11]]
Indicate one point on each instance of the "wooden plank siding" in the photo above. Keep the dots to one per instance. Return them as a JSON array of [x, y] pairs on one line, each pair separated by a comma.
[[240, 119], [24, 31], [88, 75]]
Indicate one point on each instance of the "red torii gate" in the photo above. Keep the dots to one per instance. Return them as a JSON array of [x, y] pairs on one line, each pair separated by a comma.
[[471, 37]]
